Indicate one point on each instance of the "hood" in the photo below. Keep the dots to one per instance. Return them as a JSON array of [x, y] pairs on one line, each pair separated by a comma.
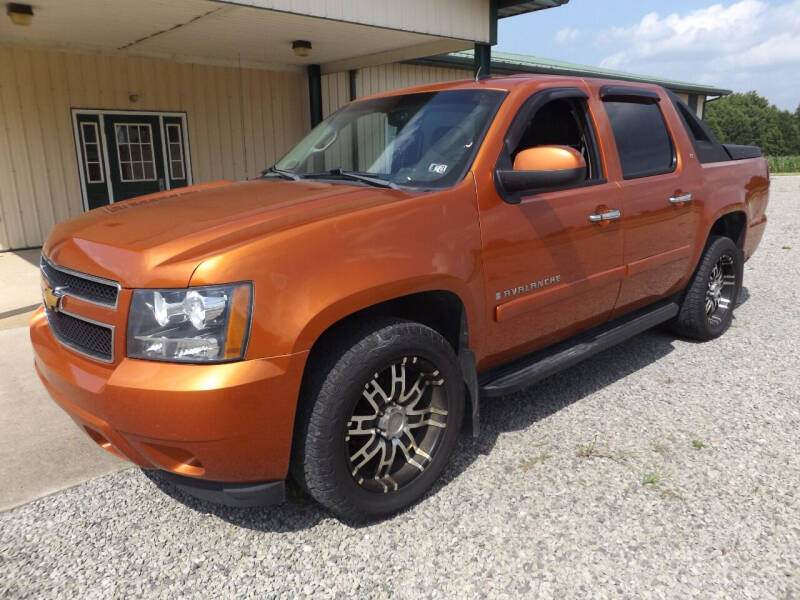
[[159, 239]]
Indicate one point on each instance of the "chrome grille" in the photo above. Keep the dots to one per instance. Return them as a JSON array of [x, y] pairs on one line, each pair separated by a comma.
[[80, 285], [82, 335]]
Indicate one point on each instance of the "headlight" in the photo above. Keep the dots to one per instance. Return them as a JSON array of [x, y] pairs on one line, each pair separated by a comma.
[[202, 324]]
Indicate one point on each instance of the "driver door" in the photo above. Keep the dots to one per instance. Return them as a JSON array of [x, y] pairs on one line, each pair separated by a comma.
[[550, 271]]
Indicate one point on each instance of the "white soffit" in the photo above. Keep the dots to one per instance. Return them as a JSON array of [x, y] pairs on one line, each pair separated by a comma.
[[209, 31]]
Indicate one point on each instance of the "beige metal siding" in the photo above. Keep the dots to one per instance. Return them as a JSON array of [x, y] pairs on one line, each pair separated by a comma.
[[461, 19], [701, 105], [239, 121], [373, 80]]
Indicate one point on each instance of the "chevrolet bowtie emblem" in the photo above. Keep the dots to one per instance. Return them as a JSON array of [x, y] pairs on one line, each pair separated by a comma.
[[52, 297]]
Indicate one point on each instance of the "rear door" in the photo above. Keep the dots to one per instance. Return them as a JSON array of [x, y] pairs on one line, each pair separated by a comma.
[[660, 212]]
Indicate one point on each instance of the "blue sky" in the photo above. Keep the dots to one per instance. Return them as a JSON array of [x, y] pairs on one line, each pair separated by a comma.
[[735, 44]]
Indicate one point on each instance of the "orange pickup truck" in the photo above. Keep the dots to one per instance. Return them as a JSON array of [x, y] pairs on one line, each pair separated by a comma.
[[340, 318]]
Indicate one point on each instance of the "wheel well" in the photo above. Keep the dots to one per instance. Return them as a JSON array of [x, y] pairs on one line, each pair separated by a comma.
[[440, 310], [731, 226]]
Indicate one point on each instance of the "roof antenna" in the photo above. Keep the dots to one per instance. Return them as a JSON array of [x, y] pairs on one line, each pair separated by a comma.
[[478, 74]]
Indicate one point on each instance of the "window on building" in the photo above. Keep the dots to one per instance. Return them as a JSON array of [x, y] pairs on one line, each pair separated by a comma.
[[93, 165], [175, 151], [135, 151], [643, 142]]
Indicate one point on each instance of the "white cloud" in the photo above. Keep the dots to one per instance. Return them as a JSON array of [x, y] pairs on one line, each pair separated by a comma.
[[567, 35], [741, 44]]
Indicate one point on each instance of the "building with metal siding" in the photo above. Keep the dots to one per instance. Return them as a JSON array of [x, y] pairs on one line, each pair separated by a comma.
[[101, 101]]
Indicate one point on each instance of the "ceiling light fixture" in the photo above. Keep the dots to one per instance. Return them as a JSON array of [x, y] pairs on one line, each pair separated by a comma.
[[20, 14], [301, 48]]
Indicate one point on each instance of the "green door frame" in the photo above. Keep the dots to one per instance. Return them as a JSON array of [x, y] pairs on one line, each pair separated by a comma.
[[171, 116]]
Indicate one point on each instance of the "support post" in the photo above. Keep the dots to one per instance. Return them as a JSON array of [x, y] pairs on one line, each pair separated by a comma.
[[315, 94], [351, 76], [482, 61], [482, 66]]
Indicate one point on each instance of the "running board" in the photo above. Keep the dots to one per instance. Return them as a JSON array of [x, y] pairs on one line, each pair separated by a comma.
[[526, 371]]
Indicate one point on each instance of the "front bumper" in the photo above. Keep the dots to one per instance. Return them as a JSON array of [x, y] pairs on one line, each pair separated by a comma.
[[228, 422]]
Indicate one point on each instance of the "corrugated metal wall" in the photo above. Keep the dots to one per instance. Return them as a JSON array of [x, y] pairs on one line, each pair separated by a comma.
[[240, 120], [373, 80]]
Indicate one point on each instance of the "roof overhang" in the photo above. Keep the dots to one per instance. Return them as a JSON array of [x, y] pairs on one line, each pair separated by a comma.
[[508, 64], [512, 8], [252, 33]]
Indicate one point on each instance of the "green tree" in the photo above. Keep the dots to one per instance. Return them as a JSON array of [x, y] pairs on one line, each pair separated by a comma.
[[750, 119]]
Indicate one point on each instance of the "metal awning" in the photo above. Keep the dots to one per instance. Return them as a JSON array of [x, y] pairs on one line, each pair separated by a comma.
[[504, 63], [510, 8]]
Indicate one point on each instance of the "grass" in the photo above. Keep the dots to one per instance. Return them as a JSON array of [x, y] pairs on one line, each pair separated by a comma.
[[591, 450], [784, 164], [651, 478], [531, 462], [699, 445], [660, 449]]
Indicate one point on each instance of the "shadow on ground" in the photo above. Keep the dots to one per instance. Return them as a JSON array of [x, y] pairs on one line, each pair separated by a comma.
[[511, 413]]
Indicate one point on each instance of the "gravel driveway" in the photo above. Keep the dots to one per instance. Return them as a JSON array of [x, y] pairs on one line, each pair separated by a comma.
[[660, 468]]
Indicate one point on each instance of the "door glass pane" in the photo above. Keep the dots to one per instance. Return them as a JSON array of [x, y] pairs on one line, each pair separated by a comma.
[[92, 156], [177, 170], [175, 150], [95, 174], [135, 152], [93, 165]]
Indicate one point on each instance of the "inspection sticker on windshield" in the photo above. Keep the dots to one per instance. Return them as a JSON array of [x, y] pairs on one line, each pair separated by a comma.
[[437, 168]]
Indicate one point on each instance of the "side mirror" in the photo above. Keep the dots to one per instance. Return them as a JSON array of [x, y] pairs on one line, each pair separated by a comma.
[[543, 167]]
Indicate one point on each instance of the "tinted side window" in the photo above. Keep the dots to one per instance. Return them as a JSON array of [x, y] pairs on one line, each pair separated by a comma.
[[706, 146], [644, 145]]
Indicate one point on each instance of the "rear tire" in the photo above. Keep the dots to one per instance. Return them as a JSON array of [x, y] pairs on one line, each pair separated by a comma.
[[379, 417], [707, 308]]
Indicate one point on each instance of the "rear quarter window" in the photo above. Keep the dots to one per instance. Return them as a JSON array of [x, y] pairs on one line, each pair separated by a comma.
[[643, 142]]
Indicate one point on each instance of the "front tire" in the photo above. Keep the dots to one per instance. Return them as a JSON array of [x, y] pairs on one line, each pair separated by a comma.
[[707, 308], [379, 417]]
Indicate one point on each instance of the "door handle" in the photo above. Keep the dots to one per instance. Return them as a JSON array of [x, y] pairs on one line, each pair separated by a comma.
[[681, 199], [609, 215]]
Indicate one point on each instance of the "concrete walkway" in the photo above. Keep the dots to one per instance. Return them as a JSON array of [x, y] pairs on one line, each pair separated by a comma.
[[41, 449], [19, 280]]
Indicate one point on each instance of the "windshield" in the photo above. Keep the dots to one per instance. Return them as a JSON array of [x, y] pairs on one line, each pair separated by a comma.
[[425, 140]]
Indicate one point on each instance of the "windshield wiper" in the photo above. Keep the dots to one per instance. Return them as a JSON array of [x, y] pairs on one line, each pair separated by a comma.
[[354, 176], [282, 173]]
